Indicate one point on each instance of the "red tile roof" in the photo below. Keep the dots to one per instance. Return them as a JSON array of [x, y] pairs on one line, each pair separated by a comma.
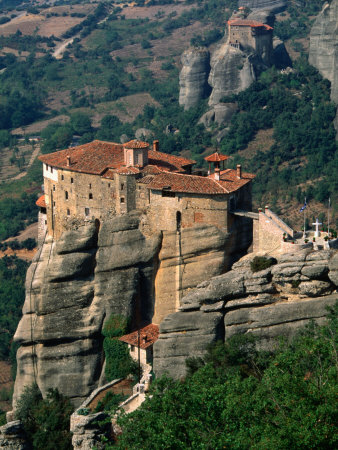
[[136, 144], [148, 335], [41, 202], [171, 163], [186, 183], [216, 157], [98, 156], [249, 23], [229, 180]]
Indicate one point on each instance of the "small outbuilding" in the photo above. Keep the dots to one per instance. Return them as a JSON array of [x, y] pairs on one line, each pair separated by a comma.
[[143, 339]]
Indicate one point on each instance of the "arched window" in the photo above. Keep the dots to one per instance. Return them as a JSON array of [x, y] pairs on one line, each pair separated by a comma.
[[66, 195]]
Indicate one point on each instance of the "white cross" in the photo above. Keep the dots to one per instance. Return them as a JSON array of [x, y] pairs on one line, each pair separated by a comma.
[[317, 234]]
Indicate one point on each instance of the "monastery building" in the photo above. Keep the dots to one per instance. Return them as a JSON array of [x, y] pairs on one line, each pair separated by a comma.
[[100, 179]]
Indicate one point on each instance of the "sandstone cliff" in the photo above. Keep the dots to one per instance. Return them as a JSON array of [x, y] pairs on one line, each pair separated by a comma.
[[232, 71], [76, 283], [194, 77], [324, 47], [269, 303]]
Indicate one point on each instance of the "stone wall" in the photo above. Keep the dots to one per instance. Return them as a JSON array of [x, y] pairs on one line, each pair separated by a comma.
[[268, 232], [270, 303], [76, 197], [193, 209]]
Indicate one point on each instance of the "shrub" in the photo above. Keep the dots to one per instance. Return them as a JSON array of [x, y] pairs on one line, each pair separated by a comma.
[[45, 421], [261, 263], [119, 363]]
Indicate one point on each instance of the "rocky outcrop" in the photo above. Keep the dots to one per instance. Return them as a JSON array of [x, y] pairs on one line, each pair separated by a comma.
[[76, 283], [269, 303], [13, 437], [324, 46], [194, 77], [232, 71], [270, 5], [220, 114]]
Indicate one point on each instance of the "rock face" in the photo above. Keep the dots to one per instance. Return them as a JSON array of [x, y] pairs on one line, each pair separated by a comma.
[[76, 283], [194, 77], [232, 71], [272, 302], [270, 5], [324, 46]]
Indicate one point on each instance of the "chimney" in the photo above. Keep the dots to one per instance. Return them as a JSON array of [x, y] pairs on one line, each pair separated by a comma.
[[156, 145], [239, 171], [217, 173], [68, 161]]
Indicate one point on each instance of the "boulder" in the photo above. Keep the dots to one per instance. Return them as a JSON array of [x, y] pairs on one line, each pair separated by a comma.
[[220, 114], [314, 288], [143, 133]]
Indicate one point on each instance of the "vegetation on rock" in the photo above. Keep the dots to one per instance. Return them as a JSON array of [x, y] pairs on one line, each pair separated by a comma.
[[261, 263], [119, 363]]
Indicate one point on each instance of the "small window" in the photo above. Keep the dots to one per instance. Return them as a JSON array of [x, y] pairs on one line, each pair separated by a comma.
[[45, 222], [122, 199], [72, 180], [122, 186], [87, 211], [54, 187], [53, 203], [62, 177], [90, 196], [66, 195], [108, 184], [46, 166], [90, 185], [51, 169], [68, 212]]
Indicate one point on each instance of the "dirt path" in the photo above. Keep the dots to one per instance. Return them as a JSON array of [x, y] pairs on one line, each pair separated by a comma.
[[62, 47], [31, 160]]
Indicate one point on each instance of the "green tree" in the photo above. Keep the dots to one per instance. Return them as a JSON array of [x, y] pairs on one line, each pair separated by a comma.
[[45, 421]]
